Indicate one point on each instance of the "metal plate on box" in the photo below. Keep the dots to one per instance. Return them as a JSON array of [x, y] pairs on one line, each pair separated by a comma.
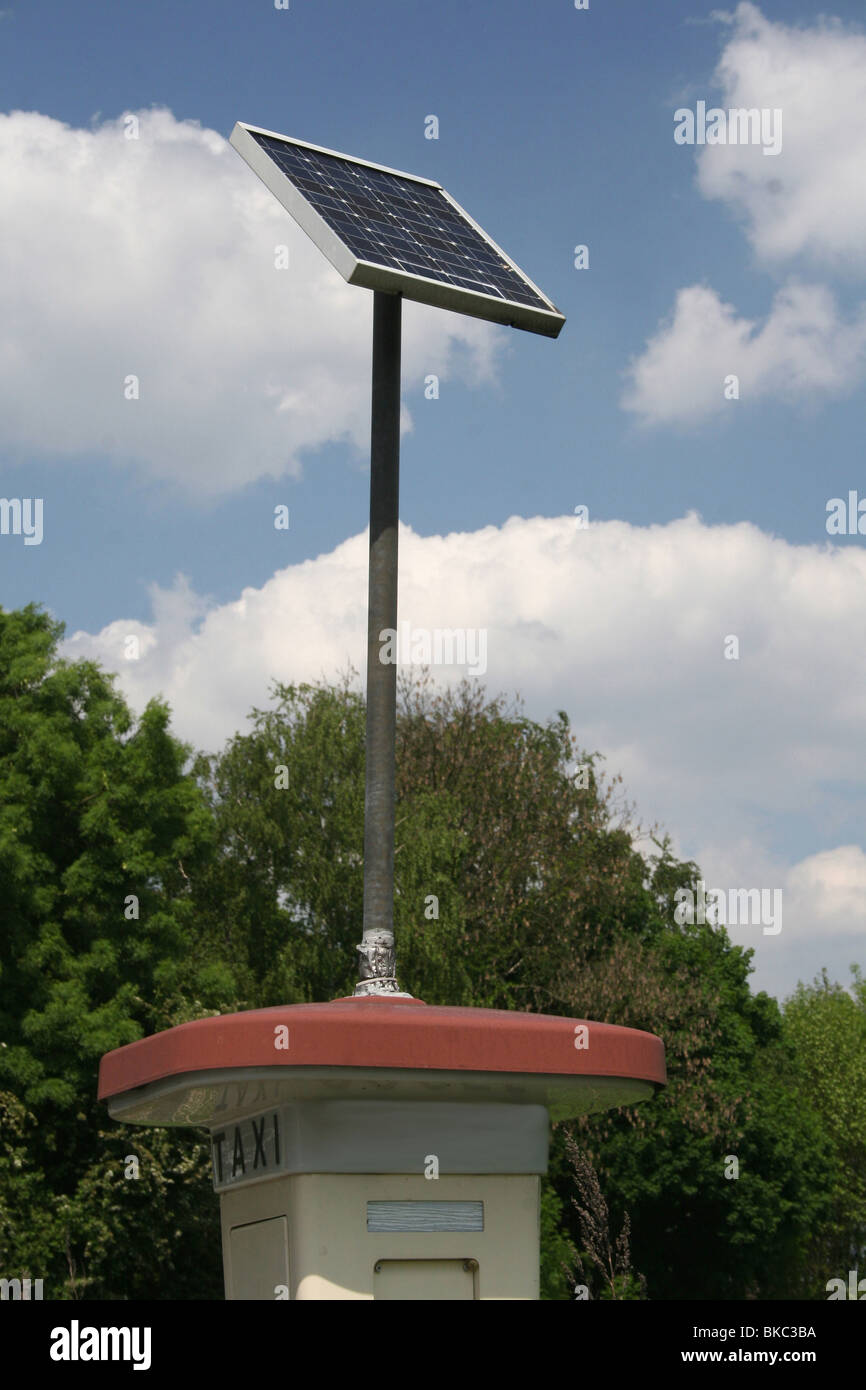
[[425, 1216]]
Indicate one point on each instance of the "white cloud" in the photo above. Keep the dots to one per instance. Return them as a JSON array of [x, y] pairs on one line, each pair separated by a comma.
[[624, 627], [803, 350], [820, 905], [811, 198], [154, 257], [828, 890], [808, 201]]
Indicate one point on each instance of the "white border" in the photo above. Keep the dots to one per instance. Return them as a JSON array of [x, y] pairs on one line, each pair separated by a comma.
[[323, 149]]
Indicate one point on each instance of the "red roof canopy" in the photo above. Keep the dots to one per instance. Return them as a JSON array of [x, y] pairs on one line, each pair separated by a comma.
[[399, 1033]]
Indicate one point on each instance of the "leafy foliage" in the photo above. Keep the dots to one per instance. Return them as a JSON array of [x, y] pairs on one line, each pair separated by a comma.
[[825, 1034], [142, 887], [94, 811]]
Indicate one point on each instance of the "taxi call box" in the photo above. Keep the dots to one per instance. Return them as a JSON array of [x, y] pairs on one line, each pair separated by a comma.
[[379, 1148]]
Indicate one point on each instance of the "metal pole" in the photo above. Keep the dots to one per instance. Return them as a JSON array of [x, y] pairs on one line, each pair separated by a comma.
[[376, 955]]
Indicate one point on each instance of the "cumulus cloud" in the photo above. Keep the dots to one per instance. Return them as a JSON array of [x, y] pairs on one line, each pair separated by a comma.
[[809, 201], [623, 626], [154, 258], [804, 348], [622, 619], [829, 891], [817, 902]]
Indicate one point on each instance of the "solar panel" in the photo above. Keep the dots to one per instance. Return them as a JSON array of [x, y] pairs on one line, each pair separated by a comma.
[[386, 230]]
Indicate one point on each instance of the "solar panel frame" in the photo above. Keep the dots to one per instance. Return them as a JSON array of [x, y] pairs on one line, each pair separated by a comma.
[[368, 274]]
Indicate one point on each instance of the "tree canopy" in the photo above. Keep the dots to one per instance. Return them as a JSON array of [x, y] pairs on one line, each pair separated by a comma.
[[145, 884]]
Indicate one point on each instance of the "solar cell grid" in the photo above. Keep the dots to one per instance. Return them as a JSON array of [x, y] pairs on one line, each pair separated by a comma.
[[398, 222]]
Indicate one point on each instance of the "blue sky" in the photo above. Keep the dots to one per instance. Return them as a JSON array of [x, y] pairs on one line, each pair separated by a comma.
[[555, 129]]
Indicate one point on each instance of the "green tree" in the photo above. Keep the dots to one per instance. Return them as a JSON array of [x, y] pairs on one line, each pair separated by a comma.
[[495, 840], [282, 896], [733, 1093], [100, 833], [825, 1035], [519, 886]]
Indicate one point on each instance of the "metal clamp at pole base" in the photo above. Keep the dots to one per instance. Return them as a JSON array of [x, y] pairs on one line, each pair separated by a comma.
[[377, 965], [389, 987]]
